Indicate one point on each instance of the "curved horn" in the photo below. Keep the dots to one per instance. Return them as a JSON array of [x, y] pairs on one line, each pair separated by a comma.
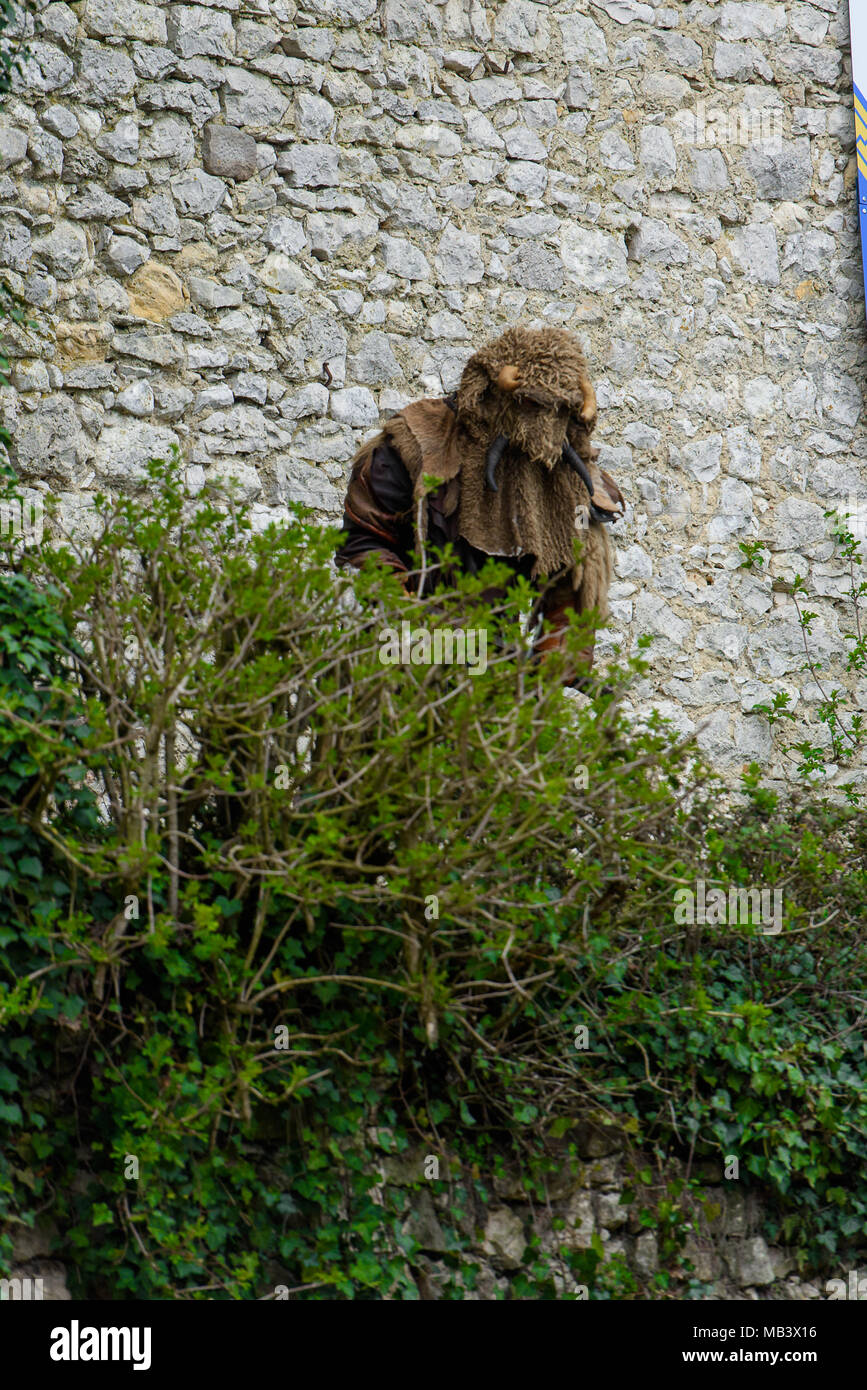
[[495, 453], [508, 378], [577, 465], [601, 509]]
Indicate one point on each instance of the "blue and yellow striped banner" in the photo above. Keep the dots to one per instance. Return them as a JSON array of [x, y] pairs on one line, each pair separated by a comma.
[[858, 31]]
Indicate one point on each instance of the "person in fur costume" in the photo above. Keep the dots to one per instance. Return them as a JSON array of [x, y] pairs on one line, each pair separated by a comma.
[[518, 481]]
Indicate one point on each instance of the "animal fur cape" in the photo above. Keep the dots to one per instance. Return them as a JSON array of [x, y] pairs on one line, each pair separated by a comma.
[[539, 497]]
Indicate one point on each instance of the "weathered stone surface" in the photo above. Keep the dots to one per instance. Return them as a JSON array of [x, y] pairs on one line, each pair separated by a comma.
[[160, 348], [429, 139], [46, 152], [82, 342], [50, 441], [821, 65], [121, 143], [458, 257], [309, 166], [30, 1243], [404, 259], [251, 101], [750, 1262], [796, 523], [740, 62], [708, 171], [331, 233], [236, 479], [124, 19], [13, 145], [169, 138], [423, 1224], [198, 193], [63, 250], [96, 206], [655, 241], [136, 399], [742, 19], [314, 116], [105, 73], [595, 259], [646, 1256], [228, 153], [755, 252], [841, 398], [375, 363], [657, 152], [523, 143], [580, 1222], [286, 234], [197, 29], [156, 214], [30, 376], [784, 171], [777, 649], [504, 1241], [311, 400], [242, 430], [191, 98], [155, 292], [702, 458], [59, 23], [355, 405], [171, 401], [521, 27], [409, 21], [16, 252], [611, 1214], [212, 295], [615, 153], [536, 268], [122, 451], [583, 41], [44, 68]]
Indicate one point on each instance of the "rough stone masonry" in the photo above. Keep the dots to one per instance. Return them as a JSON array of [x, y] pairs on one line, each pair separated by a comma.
[[205, 203]]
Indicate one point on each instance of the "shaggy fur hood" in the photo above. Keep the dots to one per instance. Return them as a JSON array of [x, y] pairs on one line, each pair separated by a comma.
[[533, 386], [530, 389]]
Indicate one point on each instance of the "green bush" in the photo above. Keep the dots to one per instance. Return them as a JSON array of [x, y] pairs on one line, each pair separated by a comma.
[[755, 1047], [280, 916]]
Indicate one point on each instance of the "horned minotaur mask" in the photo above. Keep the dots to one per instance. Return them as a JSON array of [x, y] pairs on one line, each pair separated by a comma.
[[529, 391], [514, 457]]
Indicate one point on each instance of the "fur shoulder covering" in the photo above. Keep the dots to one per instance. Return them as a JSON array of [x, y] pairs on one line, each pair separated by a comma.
[[396, 433], [425, 436], [596, 570]]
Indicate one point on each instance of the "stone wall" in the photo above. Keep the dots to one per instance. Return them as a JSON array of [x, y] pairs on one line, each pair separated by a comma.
[[724, 1247], [207, 203], [723, 1244]]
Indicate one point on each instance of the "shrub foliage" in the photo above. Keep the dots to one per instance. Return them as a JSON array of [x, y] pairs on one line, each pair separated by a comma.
[[278, 914]]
